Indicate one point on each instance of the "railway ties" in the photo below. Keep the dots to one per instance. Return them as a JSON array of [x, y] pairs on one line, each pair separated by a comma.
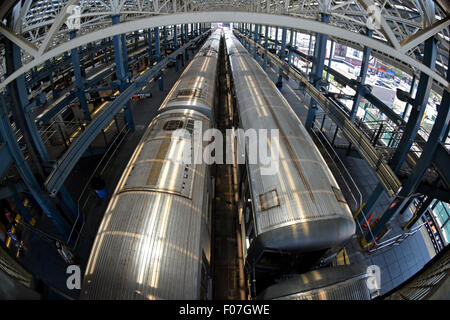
[[228, 273]]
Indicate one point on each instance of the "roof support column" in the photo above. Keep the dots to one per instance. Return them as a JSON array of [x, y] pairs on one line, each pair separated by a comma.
[[150, 46], [165, 39], [361, 79], [175, 37], [121, 69], [330, 58], [419, 212], [256, 39], [157, 45], [266, 35], [418, 108], [291, 39], [412, 127], [317, 70], [282, 56], [276, 37], [79, 83], [25, 172], [21, 113], [411, 92]]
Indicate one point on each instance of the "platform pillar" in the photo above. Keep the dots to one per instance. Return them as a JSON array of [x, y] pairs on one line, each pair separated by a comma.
[[361, 79], [411, 92], [317, 70], [266, 35], [121, 70], [412, 127], [79, 79]]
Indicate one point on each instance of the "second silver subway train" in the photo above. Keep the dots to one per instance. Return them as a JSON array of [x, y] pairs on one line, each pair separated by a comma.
[[295, 220]]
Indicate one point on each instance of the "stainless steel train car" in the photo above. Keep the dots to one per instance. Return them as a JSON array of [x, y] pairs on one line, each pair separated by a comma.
[[154, 239], [347, 282], [297, 217]]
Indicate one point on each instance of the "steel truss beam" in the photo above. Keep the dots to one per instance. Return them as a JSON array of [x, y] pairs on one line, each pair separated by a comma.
[[235, 16]]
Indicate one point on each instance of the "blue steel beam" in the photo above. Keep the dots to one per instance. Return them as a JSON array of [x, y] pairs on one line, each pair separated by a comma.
[[317, 70], [157, 45], [265, 46], [150, 46], [21, 113], [411, 92], [419, 213], [418, 108], [441, 160], [330, 58], [27, 175], [79, 79], [5, 158], [256, 38], [282, 55], [361, 78], [65, 164], [122, 69], [175, 37], [426, 157]]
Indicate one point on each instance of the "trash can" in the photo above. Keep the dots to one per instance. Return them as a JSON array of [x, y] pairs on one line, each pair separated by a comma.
[[99, 187]]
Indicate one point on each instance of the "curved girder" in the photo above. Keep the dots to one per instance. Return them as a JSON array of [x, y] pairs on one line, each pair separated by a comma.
[[402, 24]]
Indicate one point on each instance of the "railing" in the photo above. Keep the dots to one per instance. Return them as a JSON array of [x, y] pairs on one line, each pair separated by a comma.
[[340, 171], [395, 240], [384, 173], [87, 193]]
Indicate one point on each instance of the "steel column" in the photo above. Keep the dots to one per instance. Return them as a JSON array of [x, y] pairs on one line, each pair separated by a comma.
[[266, 36], [27, 175], [121, 70], [150, 46], [175, 38], [22, 116], [291, 39], [317, 70], [255, 39], [330, 58], [157, 45], [412, 126], [418, 108], [282, 56], [78, 78], [361, 79]]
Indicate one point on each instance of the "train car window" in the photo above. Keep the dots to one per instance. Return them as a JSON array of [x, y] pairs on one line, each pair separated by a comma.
[[269, 200], [172, 125], [195, 93], [190, 126], [338, 194]]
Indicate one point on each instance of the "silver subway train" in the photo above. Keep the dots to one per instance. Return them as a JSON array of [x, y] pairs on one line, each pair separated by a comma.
[[297, 219], [154, 241]]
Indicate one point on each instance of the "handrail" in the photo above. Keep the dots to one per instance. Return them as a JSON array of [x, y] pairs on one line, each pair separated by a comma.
[[123, 133]]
